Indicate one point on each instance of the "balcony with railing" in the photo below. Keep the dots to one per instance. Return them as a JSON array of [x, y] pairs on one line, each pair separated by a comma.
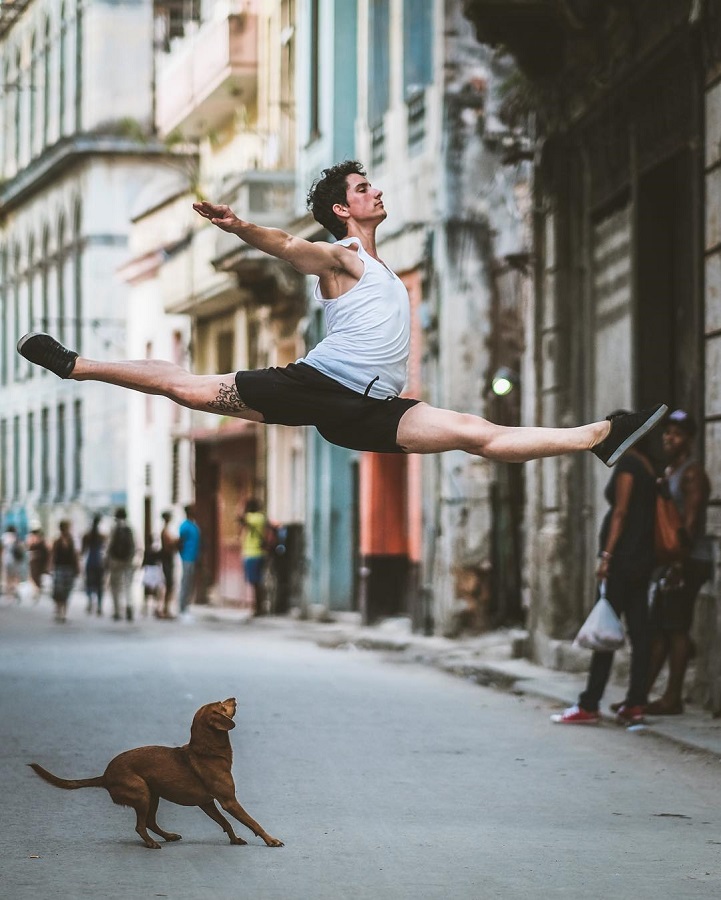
[[188, 282], [198, 275], [263, 197], [207, 76]]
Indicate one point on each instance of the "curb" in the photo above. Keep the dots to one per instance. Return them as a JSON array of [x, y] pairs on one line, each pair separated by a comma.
[[695, 732]]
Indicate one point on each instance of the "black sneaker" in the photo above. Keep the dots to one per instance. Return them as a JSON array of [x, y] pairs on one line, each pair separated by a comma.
[[626, 430], [45, 351]]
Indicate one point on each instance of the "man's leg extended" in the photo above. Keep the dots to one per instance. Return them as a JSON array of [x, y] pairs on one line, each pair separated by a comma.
[[208, 393], [426, 429]]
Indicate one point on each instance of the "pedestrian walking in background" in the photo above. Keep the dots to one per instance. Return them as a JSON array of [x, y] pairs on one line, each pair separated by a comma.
[[13, 557], [168, 552], [120, 560], [626, 562], [189, 549], [38, 559], [677, 586], [153, 578], [93, 549], [253, 527], [65, 567]]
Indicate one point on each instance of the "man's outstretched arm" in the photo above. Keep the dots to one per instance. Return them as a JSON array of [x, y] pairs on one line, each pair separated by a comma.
[[307, 257]]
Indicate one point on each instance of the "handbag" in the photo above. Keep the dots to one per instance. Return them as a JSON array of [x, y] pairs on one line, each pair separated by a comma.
[[602, 630], [667, 530]]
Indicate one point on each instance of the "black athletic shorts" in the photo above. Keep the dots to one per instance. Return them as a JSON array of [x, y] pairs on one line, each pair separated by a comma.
[[672, 610], [301, 395]]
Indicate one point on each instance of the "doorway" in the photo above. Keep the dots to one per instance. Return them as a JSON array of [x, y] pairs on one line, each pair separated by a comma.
[[667, 334]]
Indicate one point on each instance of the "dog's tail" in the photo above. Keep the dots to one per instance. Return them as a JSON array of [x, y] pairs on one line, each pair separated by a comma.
[[68, 785]]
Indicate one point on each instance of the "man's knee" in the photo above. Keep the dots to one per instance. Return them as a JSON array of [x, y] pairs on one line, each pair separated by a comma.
[[476, 435]]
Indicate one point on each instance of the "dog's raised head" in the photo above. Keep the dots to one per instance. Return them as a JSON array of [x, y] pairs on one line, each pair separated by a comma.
[[218, 716]]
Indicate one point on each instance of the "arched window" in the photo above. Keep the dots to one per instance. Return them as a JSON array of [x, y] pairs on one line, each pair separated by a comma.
[[60, 275], [33, 89], [4, 314], [45, 282], [79, 65], [17, 87], [7, 118], [77, 273], [46, 84], [62, 69], [30, 301], [15, 281]]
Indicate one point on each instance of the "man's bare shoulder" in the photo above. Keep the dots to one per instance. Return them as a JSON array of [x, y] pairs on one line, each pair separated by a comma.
[[695, 476], [347, 258]]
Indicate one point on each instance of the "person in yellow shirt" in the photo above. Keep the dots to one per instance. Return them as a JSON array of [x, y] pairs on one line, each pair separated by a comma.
[[253, 528]]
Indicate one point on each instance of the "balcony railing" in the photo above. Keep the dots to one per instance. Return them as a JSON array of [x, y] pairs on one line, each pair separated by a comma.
[[208, 76], [189, 283], [261, 197]]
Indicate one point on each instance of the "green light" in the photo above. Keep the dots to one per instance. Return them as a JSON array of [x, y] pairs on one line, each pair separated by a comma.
[[502, 386], [504, 381]]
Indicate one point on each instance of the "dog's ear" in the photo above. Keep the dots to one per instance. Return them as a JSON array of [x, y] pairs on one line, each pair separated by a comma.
[[218, 720]]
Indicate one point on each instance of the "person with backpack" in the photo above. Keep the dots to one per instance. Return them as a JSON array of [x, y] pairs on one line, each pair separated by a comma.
[[120, 563], [93, 546], [677, 585]]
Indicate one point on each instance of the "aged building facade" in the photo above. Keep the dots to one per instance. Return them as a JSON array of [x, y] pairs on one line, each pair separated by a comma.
[[224, 81], [76, 150], [626, 297], [433, 141], [401, 85]]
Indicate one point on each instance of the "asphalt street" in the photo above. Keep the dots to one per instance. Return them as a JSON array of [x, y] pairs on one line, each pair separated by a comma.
[[384, 781]]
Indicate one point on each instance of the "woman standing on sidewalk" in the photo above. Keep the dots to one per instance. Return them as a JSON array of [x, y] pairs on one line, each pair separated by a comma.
[[38, 558], [65, 568], [626, 561], [93, 547]]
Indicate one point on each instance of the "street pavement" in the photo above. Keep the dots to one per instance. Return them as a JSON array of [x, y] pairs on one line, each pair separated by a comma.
[[491, 660], [385, 776]]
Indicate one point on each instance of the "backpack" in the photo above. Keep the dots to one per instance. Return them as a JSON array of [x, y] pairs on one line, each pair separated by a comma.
[[122, 545]]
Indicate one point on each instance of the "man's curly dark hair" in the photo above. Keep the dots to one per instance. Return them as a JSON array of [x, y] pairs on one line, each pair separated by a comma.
[[330, 189]]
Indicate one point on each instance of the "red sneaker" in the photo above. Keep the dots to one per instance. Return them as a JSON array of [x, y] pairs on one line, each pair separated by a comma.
[[575, 715], [631, 715]]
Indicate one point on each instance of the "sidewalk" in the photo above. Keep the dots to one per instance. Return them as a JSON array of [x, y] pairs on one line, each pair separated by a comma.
[[488, 660]]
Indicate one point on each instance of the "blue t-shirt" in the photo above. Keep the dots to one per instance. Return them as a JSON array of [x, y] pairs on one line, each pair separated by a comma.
[[189, 539]]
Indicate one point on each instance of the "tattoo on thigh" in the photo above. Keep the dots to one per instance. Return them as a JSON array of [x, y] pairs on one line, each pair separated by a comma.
[[228, 400]]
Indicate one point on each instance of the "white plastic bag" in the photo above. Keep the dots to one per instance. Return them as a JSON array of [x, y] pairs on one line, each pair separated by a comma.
[[602, 630]]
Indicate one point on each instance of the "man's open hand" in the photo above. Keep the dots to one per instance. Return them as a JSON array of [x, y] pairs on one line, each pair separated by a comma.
[[220, 215]]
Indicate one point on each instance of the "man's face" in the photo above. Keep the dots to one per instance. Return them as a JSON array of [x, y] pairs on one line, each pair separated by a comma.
[[675, 441], [363, 201]]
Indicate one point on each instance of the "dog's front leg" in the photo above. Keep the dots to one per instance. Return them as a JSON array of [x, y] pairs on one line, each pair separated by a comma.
[[210, 809], [235, 809]]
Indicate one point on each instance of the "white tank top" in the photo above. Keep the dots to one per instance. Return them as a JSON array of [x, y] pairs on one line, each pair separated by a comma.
[[369, 332]]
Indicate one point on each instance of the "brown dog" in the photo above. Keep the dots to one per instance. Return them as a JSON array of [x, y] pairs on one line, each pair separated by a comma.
[[196, 774]]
